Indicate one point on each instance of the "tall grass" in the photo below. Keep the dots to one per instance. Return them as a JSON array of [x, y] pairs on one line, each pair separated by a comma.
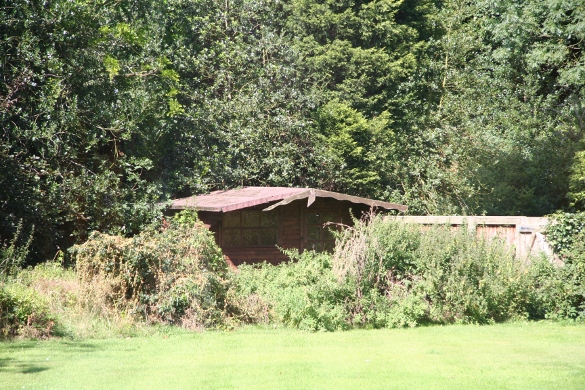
[[386, 273], [382, 273], [55, 302], [173, 276]]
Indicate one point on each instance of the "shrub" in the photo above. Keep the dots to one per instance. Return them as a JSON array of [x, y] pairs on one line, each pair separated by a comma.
[[302, 293], [472, 279], [435, 275], [562, 288], [385, 273], [174, 276], [13, 254], [563, 229], [23, 313], [377, 260]]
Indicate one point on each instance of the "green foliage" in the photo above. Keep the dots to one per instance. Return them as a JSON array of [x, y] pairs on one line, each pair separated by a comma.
[[471, 279], [360, 52], [391, 274], [383, 273], [176, 276], [186, 218], [450, 107], [23, 313], [433, 276], [503, 84], [81, 93], [564, 287], [563, 231], [301, 294], [13, 254], [358, 146], [561, 290], [577, 181]]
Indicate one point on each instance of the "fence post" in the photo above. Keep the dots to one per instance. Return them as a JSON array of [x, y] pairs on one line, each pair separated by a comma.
[[471, 224]]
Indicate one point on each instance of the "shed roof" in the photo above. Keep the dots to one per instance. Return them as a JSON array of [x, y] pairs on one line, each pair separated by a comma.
[[236, 199]]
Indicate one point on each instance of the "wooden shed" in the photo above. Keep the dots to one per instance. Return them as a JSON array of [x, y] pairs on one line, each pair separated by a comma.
[[250, 223]]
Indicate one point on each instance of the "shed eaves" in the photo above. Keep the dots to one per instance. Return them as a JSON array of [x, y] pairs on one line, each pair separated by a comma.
[[239, 198], [236, 199]]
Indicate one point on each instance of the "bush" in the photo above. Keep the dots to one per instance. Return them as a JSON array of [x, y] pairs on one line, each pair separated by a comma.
[[377, 261], [436, 275], [562, 231], [472, 279], [174, 276], [562, 288], [23, 313], [302, 293], [385, 273], [382, 273]]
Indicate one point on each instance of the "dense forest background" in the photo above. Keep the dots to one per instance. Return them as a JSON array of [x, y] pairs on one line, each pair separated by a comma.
[[452, 107]]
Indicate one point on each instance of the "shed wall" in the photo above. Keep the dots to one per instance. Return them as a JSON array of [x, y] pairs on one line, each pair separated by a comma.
[[292, 229]]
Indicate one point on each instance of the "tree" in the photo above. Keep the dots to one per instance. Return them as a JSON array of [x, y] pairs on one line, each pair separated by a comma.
[[82, 88], [509, 86]]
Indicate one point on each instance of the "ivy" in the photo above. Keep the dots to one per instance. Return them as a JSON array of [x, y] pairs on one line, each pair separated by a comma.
[[563, 230]]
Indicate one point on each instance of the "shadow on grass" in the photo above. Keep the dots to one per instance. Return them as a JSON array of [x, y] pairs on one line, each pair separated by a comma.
[[31, 369], [78, 346], [17, 345], [61, 345], [18, 366], [7, 365]]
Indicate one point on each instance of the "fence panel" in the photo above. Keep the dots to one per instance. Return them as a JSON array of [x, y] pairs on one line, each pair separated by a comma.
[[525, 234]]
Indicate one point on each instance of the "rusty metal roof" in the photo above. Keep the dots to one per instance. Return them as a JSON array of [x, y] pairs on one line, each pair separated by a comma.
[[236, 199]]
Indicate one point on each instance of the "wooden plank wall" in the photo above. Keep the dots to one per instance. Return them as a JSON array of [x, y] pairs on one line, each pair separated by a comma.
[[289, 236], [525, 234], [292, 229], [290, 225]]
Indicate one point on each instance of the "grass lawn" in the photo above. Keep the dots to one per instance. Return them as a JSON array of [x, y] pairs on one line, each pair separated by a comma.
[[514, 356]]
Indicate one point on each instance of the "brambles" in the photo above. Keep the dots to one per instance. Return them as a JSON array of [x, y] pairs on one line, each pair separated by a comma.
[[383, 273], [24, 313], [160, 277], [391, 274]]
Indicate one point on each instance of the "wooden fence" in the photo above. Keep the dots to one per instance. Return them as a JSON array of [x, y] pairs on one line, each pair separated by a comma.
[[525, 234]]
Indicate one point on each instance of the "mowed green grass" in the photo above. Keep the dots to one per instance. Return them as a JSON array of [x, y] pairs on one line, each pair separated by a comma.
[[512, 356]]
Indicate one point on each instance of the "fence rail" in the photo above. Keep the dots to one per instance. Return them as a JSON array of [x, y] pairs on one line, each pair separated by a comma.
[[525, 234]]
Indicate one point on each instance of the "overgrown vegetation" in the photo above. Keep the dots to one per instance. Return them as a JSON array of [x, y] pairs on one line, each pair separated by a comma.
[[382, 273], [390, 274], [174, 276], [22, 312], [13, 253], [449, 106], [566, 289]]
